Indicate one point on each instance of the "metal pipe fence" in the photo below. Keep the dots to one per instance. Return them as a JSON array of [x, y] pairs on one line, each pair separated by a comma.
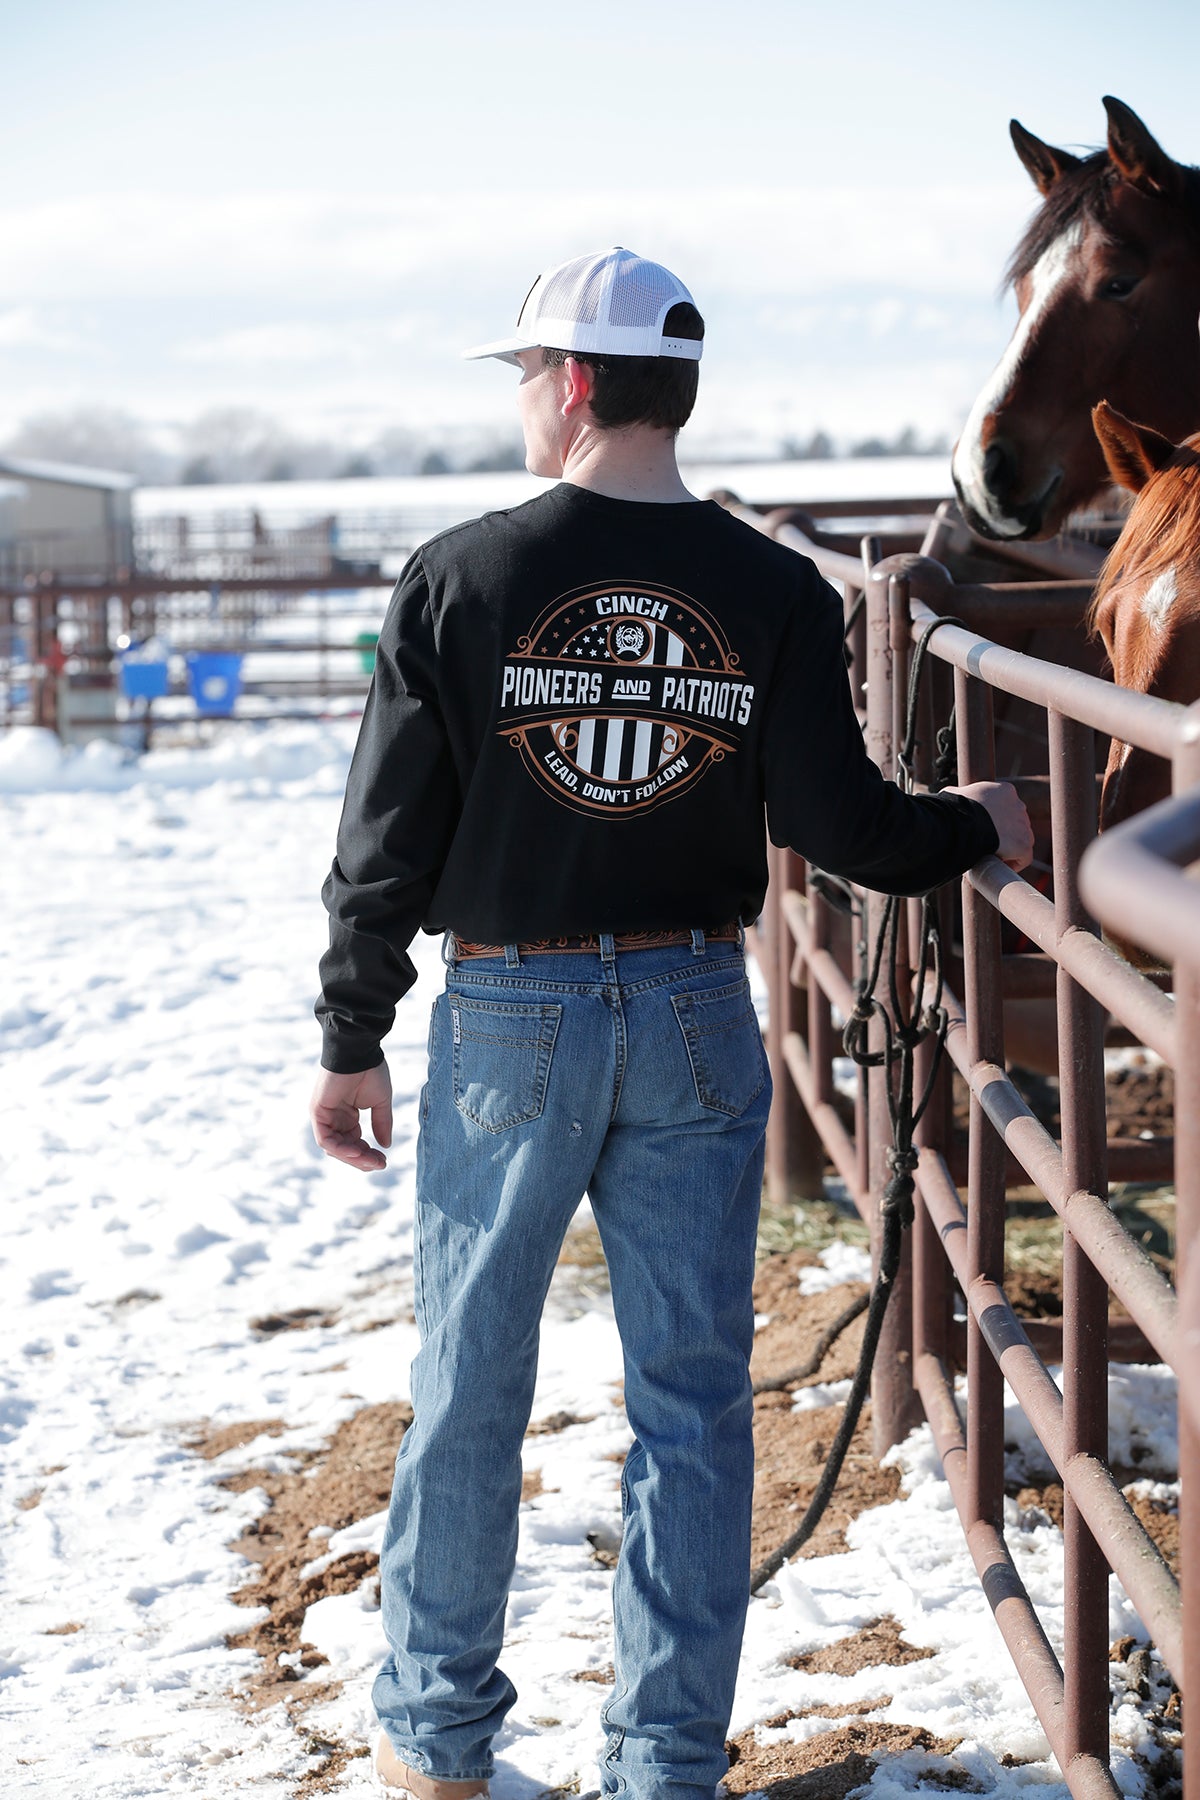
[[307, 640], [955, 1261]]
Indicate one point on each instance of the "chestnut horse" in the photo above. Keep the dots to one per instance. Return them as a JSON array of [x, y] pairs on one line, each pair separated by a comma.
[[1107, 279], [1146, 607]]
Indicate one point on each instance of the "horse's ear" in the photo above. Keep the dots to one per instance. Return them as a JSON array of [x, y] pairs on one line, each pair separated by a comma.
[[1133, 452], [1044, 163], [1138, 156]]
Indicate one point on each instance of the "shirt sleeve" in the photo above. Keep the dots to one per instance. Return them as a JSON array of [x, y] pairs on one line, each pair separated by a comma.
[[827, 800], [401, 808]]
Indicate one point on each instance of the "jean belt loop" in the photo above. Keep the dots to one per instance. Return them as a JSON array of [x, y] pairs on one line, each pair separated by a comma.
[[512, 957], [697, 941], [449, 949], [608, 950], [741, 936]]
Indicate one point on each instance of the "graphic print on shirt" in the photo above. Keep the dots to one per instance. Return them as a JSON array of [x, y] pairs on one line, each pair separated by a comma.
[[623, 696]]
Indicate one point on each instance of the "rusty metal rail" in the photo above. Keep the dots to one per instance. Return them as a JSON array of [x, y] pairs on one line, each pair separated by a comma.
[[1135, 881]]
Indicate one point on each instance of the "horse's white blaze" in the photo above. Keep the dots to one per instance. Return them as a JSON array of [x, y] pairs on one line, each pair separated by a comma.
[[1158, 600], [1048, 275]]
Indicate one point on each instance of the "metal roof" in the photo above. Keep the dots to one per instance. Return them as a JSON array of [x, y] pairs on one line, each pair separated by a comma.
[[69, 474]]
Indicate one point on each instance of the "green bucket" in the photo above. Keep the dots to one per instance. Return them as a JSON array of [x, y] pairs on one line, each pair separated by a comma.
[[365, 644]]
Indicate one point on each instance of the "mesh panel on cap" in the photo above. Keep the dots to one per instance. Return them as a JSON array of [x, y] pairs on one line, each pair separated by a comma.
[[640, 292], [573, 293]]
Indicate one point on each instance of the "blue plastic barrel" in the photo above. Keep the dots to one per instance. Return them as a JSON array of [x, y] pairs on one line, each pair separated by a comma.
[[144, 680], [215, 678]]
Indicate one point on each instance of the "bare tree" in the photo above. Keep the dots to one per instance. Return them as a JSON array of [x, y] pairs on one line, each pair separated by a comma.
[[97, 437]]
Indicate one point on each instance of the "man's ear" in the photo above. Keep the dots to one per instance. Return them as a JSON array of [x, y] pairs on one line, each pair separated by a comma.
[[578, 386]]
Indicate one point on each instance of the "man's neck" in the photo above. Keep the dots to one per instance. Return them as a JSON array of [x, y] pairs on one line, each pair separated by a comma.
[[626, 465]]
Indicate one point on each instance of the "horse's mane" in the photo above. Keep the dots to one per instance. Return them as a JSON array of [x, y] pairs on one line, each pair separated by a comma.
[[1080, 194], [1164, 524]]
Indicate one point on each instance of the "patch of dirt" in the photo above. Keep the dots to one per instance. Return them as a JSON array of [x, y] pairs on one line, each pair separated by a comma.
[[831, 1765], [28, 1501], [873, 1645], [531, 1484], [337, 1758], [1160, 1519], [775, 1282], [606, 1676], [791, 1447], [1034, 1295], [211, 1442], [1047, 1500], [62, 1630], [844, 1709], [1140, 1099], [797, 1321], [298, 1318], [558, 1421], [790, 1452], [348, 1480]]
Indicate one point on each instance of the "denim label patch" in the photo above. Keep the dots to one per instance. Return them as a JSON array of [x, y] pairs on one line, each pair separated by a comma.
[[457, 1025]]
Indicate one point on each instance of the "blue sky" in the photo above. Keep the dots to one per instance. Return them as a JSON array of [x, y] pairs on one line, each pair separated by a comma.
[[311, 208]]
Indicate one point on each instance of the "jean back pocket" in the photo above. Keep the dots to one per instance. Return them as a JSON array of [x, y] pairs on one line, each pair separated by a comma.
[[502, 1058], [724, 1046]]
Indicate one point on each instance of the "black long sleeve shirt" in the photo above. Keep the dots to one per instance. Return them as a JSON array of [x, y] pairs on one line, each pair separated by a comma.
[[583, 711]]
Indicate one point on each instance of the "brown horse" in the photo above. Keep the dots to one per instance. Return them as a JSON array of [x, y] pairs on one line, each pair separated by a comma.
[[1107, 279], [1146, 607]]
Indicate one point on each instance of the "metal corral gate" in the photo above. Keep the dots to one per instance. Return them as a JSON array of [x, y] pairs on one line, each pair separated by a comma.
[[1132, 879]]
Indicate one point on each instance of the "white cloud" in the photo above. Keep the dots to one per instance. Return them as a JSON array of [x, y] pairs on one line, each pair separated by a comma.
[[788, 242], [827, 306], [281, 343], [22, 329]]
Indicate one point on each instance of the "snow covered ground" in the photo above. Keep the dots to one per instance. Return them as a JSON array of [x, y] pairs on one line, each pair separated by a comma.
[[162, 926], [839, 478]]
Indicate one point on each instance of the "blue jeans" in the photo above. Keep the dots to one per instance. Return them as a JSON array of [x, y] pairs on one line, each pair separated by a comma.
[[640, 1078]]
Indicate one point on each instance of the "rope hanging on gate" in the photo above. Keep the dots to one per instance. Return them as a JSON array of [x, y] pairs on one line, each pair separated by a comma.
[[903, 1029]]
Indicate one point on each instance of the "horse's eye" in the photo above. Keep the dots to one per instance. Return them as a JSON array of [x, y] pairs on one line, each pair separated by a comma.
[[1118, 286]]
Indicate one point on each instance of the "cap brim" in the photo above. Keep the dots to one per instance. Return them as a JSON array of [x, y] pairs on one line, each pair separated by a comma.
[[505, 349]]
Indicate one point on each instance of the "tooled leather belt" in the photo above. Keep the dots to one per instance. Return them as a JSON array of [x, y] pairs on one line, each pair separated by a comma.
[[589, 943]]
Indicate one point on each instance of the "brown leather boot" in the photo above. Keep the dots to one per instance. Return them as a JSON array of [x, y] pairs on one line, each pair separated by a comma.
[[402, 1780]]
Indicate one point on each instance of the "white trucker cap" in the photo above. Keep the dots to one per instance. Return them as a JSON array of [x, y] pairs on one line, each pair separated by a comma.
[[609, 304]]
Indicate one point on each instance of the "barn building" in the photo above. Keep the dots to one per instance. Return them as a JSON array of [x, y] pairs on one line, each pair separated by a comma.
[[72, 523]]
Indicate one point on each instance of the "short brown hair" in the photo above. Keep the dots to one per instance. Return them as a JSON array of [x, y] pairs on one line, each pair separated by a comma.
[[643, 390]]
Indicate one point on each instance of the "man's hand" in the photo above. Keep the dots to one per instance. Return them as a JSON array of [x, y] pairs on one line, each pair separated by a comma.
[[1008, 815], [336, 1103]]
